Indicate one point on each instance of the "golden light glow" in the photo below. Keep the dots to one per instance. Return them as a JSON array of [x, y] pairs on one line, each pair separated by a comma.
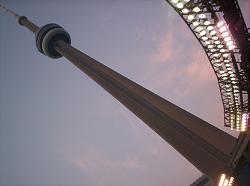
[[222, 178], [225, 181]]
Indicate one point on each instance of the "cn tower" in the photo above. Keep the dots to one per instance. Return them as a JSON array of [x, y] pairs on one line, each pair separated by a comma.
[[208, 148]]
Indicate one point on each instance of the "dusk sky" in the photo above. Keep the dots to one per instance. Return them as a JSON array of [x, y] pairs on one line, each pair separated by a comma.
[[59, 128]]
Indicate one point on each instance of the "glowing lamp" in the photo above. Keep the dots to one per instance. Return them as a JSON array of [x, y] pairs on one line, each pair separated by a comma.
[[215, 38], [231, 47], [196, 9], [180, 5], [202, 33], [185, 11], [220, 23], [206, 22], [202, 16], [210, 46], [175, 1], [229, 43], [190, 17], [199, 28], [217, 42], [210, 28], [225, 55], [222, 29], [207, 42], [204, 38], [228, 38], [213, 32], [195, 23], [225, 34]]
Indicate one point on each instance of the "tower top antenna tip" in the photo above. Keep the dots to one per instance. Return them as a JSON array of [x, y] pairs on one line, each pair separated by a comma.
[[10, 12]]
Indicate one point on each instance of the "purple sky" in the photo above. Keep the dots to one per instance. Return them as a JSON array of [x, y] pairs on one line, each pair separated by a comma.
[[58, 127]]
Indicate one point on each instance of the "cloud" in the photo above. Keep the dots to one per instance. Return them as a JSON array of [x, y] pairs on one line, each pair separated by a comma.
[[103, 169], [164, 51]]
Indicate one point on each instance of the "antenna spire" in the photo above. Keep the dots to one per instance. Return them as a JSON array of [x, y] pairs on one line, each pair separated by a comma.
[[10, 12]]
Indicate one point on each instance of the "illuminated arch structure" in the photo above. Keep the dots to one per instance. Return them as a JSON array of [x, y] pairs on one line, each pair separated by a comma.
[[222, 32]]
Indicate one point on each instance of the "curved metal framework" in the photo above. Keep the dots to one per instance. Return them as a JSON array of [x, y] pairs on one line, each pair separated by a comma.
[[205, 19]]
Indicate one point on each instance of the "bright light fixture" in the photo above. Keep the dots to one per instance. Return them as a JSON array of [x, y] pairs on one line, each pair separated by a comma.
[[207, 42], [217, 42], [222, 29], [218, 65], [224, 78], [210, 46], [213, 32], [196, 9], [230, 43], [210, 27], [175, 1], [228, 38], [204, 38], [195, 23], [206, 22], [180, 5], [185, 11], [190, 17], [220, 23], [202, 16], [222, 178], [199, 28], [202, 33], [215, 38], [225, 55], [231, 47], [225, 34]]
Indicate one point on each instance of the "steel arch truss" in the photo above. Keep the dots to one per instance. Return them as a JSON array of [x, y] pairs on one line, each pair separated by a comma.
[[205, 20]]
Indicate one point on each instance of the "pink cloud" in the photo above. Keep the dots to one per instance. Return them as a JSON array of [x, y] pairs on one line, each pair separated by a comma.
[[164, 51]]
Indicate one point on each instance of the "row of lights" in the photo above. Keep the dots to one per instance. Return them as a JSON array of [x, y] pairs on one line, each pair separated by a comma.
[[226, 181], [224, 31], [244, 121], [218, 41]]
